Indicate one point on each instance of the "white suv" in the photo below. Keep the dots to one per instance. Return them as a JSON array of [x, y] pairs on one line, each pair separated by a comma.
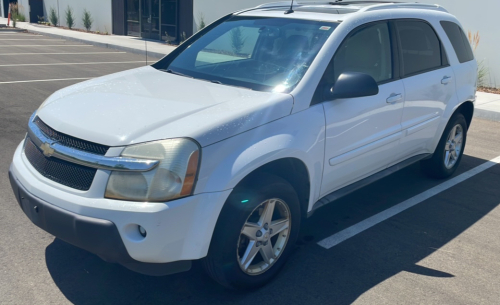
[[221, 148]]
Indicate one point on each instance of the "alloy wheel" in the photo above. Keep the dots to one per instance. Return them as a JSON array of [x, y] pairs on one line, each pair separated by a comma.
[[453, 146], [264, 236]]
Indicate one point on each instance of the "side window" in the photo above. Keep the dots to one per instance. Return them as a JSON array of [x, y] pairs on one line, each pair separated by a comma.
[[367, 50], [459, 41], [420, 47]]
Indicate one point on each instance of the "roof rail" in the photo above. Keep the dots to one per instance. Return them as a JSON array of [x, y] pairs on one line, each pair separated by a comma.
[[387, 6], [300, 3]]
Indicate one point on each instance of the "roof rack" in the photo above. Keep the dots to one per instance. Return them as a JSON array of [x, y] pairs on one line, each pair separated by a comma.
[[376, 5], [387, 6]]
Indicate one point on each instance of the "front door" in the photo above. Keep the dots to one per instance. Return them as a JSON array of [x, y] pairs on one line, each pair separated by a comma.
[[150, 21], [362, 134], [36, 10]]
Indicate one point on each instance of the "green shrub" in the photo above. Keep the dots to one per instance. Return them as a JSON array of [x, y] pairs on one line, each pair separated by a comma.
[[237, 40], [87, 20], [53, 16], [70, 18], [202, 23], [482, 71], [16, 14]]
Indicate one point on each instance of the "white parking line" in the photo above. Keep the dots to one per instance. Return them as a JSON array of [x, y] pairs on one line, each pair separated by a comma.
[[80, 53], [76, 63], [345, 234], [31, 39], [48, 45], [44, 80]]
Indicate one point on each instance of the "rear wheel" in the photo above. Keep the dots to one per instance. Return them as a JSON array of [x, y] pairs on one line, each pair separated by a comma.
[[255, 234], [449, 151]]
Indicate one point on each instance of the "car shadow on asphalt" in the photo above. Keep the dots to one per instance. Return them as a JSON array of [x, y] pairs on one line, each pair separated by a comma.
[[313, 274]]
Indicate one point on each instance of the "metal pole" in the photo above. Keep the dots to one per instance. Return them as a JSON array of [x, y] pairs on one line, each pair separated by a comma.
[[58, 15]]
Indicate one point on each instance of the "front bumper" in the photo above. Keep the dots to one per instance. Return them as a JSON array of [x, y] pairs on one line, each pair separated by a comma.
[[177, 232], [95, 235]]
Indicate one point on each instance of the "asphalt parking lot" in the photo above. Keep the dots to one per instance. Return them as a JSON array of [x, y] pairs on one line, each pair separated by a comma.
[[443, 250]]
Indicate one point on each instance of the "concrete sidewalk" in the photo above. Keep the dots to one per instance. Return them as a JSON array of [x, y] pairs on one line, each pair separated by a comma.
[[123, 43], [487, 106]]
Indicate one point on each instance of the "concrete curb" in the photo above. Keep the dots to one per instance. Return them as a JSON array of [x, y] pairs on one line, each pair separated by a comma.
[[16, 30], [486, 114], [100, 44]]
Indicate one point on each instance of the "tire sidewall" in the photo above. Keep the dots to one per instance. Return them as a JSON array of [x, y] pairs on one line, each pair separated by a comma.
[[440, 151], [223, 249]]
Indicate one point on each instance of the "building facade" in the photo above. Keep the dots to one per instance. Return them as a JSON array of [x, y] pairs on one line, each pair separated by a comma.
[[172, 20]]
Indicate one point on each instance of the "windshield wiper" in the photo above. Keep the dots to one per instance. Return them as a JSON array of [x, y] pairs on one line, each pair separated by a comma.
[[175, 73]]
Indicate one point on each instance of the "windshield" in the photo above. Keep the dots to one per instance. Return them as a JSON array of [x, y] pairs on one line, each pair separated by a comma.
[[264, 54]]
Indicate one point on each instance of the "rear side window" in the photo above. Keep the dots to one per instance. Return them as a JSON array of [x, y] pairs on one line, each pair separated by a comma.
[[420, 47], [459, 41]]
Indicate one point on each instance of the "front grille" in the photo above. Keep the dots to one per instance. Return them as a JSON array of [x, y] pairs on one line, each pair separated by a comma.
[[70, 141], [66, 173]]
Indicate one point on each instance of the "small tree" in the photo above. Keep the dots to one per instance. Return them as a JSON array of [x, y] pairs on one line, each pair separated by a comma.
[[202, 23], [87, 20], [482, 71], [70, 18], [237, 40], [53, 16]]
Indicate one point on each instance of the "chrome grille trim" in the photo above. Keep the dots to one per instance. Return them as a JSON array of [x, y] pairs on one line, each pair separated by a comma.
[[70, 141], [52, 148]]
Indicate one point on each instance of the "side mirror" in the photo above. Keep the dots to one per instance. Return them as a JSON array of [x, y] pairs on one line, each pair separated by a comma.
[[351, 85]]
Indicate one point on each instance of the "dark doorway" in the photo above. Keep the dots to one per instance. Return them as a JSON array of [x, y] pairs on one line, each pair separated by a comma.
[[150, 22], [133, 18], [36, 10], [5, 4]]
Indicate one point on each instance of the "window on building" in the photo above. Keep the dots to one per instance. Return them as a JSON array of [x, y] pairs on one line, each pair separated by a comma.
[[421, 49], [459, 41]]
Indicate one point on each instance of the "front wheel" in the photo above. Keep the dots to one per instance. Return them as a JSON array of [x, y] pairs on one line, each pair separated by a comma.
[[449, 151], [255, 234]]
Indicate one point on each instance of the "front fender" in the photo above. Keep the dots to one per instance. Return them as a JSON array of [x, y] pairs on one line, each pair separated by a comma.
[[300, 135]]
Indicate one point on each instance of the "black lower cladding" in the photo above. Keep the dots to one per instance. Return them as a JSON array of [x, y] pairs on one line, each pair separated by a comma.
[[66, 173], [98, 236]]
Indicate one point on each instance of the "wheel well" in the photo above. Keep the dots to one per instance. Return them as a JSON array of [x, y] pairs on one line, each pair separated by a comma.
[[467, 109], [292, 170]]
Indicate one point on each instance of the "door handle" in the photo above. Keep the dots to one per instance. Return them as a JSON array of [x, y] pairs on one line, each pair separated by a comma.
[[394, 98], [446, 80]]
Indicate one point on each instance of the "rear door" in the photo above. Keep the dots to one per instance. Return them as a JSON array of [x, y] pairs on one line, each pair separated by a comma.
[[362, 134], [429, 85]]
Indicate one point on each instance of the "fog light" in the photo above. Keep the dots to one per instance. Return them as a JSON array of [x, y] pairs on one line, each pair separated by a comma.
[[142, 231]]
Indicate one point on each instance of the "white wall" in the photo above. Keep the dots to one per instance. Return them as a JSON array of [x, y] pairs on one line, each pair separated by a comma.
[[99, 9], [214, 9], [477, 15]]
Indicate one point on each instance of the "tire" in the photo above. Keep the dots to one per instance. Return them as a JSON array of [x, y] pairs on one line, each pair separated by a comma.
[[229, 244], [438, 166]]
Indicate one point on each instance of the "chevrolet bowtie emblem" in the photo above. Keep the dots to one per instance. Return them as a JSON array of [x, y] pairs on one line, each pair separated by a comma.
[[47, 150]]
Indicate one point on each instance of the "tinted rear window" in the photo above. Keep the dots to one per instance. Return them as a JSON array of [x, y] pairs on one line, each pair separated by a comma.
[[459, 41], [420, 47]]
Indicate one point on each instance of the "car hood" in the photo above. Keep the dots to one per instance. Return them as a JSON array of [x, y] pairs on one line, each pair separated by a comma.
[[145, 104]]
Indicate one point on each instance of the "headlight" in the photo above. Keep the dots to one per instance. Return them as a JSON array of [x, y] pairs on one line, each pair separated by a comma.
[[173, 178]]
